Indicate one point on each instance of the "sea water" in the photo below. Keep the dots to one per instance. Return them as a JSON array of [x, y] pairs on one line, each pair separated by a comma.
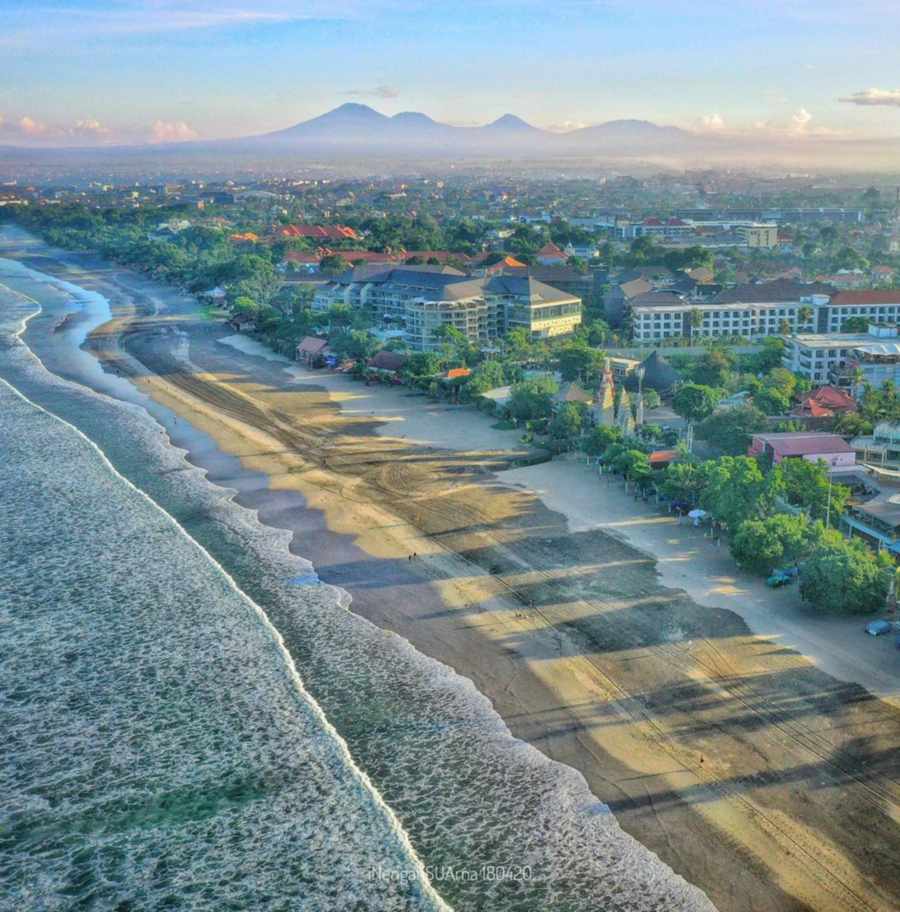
[[196, 722]]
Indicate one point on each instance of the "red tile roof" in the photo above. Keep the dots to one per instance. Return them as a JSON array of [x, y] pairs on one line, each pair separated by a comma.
[[662, 457], [886, 296], [322, 232], [550, 250]]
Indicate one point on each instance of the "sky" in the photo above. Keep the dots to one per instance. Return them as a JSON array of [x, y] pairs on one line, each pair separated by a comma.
[[77, 72]]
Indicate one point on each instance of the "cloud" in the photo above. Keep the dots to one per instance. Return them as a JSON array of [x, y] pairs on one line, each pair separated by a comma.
[[165, 131], [381, 91], [711, 122], [89, 127], [800, 121], [888, 98], [566, 126], [31, 127]]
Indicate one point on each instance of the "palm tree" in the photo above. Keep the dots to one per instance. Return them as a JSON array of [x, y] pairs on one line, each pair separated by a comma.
[[805, 315], [784, 327], [695, 321]]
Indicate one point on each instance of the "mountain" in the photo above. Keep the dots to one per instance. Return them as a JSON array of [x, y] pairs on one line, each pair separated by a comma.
[[355, 134], [357, 129], [509, 123]]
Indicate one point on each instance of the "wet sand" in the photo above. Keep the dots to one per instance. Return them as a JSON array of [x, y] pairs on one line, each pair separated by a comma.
[[753, 774]]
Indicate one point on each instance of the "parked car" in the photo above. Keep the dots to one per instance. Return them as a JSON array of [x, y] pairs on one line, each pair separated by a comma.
[[782, 576], [879, 628]]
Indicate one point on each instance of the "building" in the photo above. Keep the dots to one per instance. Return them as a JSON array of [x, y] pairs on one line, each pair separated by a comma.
[[550, 255], [317, 232], [759, 234], [660, 229], [422, 299], [825, 402], [310, 350], [848, 360], [882, 446], [810, 445], [751, 311], [882, 306], [877, 520]]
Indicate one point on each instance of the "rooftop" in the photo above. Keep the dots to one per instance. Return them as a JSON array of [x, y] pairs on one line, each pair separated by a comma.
[[781, 290], [801, 443]]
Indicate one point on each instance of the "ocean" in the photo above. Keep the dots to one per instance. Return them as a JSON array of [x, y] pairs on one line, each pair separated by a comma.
[[194, 721]]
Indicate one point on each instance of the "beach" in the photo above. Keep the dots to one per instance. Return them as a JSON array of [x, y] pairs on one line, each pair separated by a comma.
[[754, 773]]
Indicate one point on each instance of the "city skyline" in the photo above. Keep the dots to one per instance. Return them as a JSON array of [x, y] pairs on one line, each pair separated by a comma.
[[84, 73]]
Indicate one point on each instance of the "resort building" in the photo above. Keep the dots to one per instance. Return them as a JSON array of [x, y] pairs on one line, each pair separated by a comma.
[[849, 360], [423, 299], [751, 311], [880, 306]]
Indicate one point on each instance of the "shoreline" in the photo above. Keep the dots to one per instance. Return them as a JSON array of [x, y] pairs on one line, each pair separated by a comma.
[[548, 671]]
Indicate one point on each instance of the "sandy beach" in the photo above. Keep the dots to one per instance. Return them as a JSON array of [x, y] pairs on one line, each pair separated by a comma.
[[768, 780]]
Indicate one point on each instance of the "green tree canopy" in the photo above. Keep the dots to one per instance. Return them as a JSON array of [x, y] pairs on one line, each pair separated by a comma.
[[683, 481], [714, 368], [761, 545], [735, 489], [578, 361], [695, 401], [730, 429], [844, 577], [601, 438], [806, 485], [533, 398]]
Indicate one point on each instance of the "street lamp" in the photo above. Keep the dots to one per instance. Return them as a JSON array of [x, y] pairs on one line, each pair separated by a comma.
[[640, 406]]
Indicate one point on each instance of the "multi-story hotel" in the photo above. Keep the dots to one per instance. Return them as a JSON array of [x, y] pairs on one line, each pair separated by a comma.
[[846, 359], [766, 309], [422, 299], [752, 311]]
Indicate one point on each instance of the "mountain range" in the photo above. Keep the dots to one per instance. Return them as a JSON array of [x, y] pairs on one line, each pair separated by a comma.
[[356, 127], [356, 133]]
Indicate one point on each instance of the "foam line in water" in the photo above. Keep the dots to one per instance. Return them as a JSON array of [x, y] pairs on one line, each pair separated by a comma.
[[274, 633]]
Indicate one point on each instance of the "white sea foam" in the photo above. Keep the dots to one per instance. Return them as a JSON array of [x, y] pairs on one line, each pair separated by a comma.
[[464, 790]]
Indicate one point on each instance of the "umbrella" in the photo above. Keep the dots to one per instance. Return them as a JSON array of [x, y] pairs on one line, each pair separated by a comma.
[[697, 514]]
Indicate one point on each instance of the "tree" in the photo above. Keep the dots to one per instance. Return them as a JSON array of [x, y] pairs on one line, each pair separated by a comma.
[[532, 398], [772, 401], [695, 320], [246, 305], [731, 429], [807, 485], [566, 425], [855, 325], [578, 361], [333, 264], [761, 545], [601, 438], [518, 343], [714, 367], [683, 481], [651, 398], [735, 489], [694, 401], [769, 355], [844, 577], [633, 464]]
